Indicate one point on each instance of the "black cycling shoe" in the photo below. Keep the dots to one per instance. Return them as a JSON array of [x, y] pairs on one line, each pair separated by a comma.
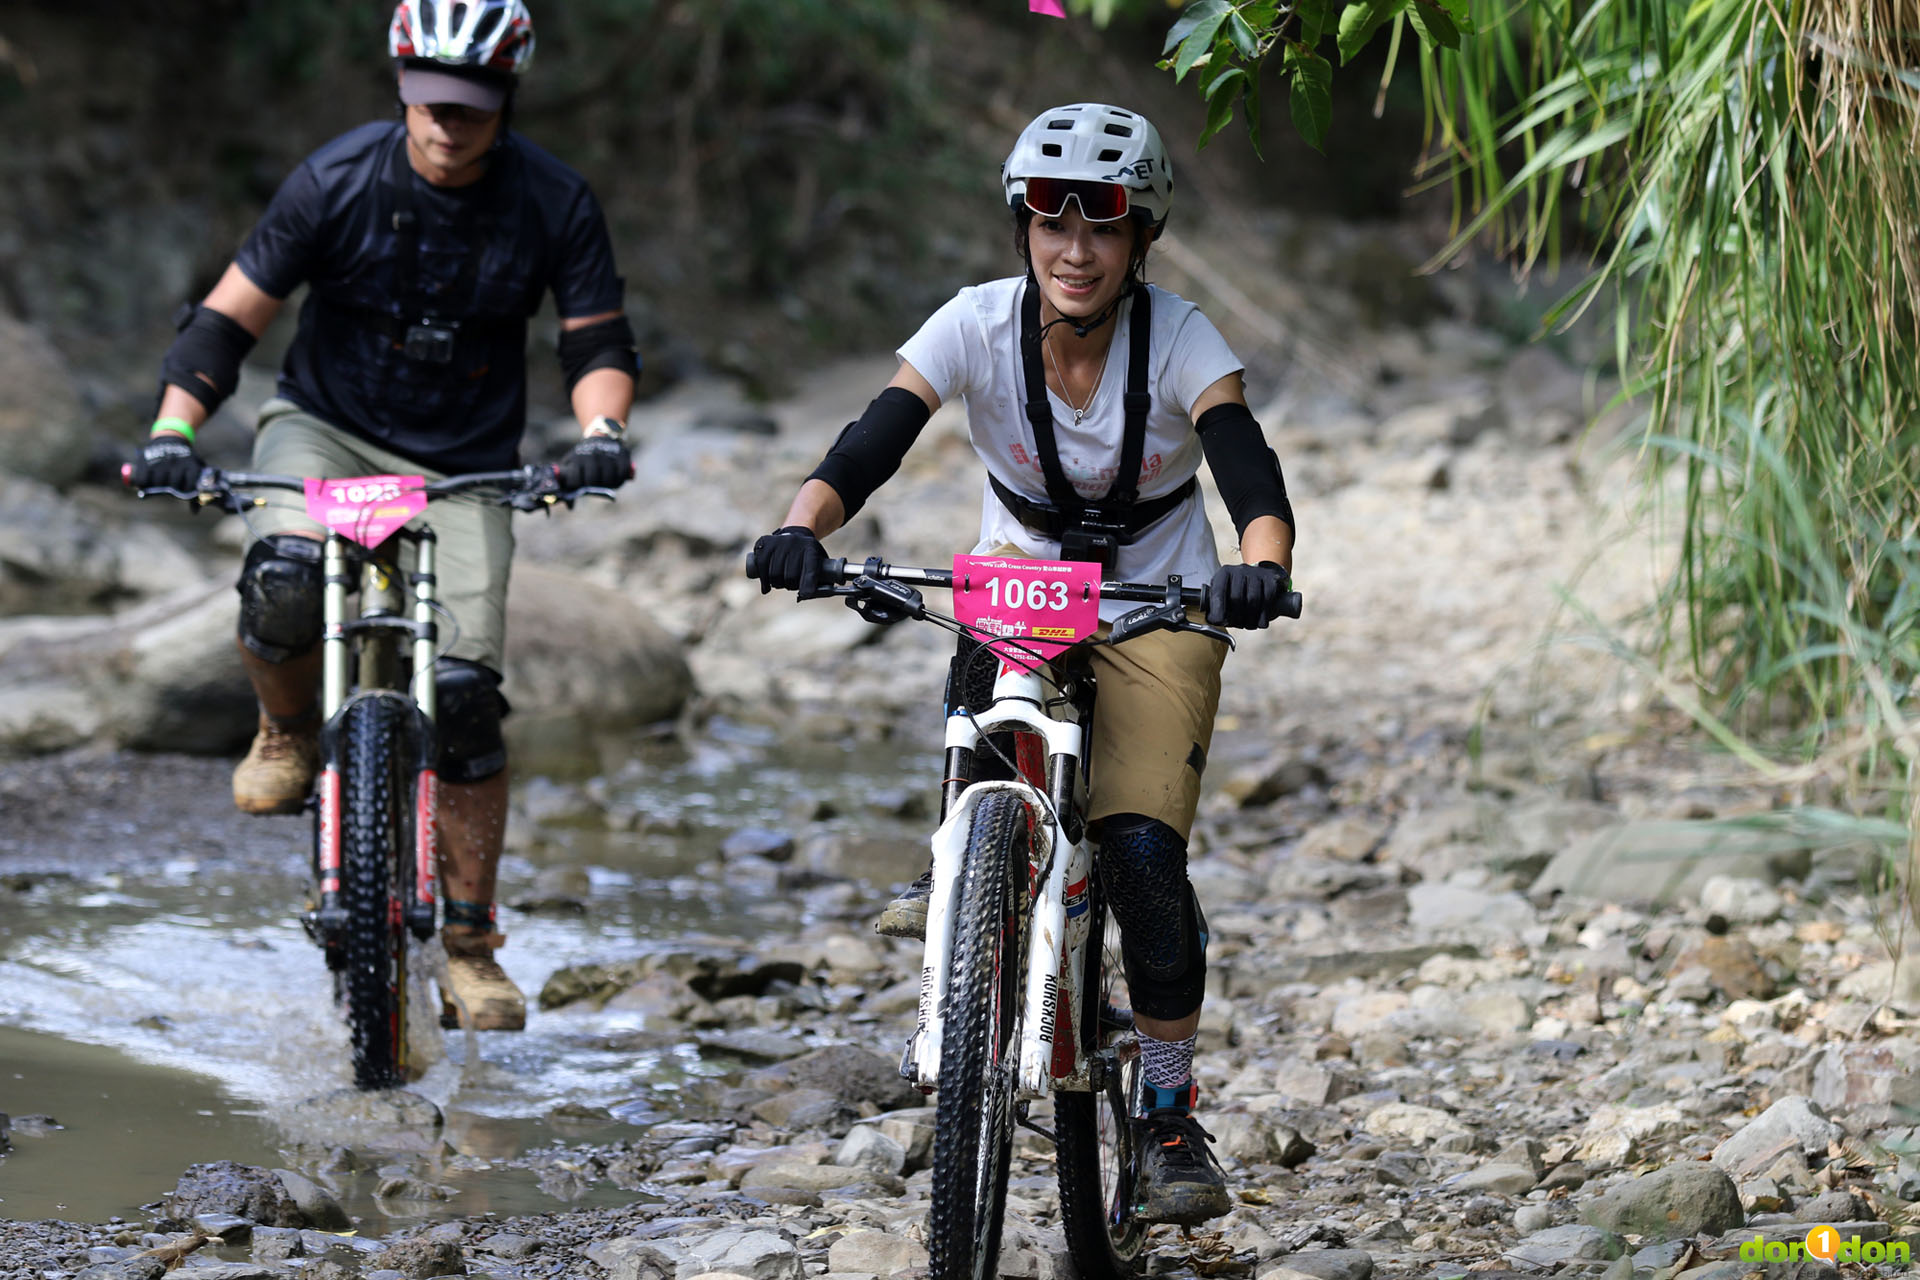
[[1178, 1180], [906, 915]]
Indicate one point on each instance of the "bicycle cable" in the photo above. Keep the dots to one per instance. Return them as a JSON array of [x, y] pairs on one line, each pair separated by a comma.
[[987, 642]]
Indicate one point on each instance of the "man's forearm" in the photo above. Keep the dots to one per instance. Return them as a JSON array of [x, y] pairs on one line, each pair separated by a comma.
[[603, 393]]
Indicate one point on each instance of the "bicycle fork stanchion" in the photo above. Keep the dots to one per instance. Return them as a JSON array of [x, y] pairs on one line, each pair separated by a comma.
[[331, 916], [426, 821]]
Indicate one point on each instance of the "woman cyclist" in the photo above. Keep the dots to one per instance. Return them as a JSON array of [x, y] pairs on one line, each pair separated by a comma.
[[1091, 399]]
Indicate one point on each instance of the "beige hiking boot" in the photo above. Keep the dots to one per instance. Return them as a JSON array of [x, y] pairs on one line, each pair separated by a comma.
[[476, 987], [279, 769]]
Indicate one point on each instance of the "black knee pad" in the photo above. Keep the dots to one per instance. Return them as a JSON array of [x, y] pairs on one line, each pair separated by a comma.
[[470, 708], [280, 597], [1163, 937]]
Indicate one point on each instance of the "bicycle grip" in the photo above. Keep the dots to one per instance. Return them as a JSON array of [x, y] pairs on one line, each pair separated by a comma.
[[753, 563], [1290, 605]]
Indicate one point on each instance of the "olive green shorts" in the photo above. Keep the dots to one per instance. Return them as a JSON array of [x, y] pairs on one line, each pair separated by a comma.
[[1152, 725], [1152, 722], [475, 547]]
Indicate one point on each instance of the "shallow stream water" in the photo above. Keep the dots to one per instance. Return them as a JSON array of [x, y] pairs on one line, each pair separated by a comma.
[[175, 1014]]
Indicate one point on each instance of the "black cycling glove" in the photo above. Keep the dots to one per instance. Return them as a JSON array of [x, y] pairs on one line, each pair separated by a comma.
[[1246, 595], [791, 559], [598, 462], [168, 462]]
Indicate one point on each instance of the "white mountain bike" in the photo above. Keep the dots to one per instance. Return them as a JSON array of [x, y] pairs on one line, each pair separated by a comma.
[[1022, 958]]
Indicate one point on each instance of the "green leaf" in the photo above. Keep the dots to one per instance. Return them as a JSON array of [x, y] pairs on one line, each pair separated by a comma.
[[1220, 102], [1194, 53], [1261, 14], [1311, 98], [1359, 21], [1226, 77], [1461, 13], [1315, 17], [1192, 17], [1433, 25], [1245, 42]]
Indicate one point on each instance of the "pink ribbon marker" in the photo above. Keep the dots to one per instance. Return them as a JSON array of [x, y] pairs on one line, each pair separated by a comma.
[[1051, 8]]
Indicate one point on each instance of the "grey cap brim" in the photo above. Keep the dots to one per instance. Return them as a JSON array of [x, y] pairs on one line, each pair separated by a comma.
[[432, 88]]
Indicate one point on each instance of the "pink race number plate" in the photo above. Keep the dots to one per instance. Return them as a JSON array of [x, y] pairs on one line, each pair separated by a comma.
[[1044, 604], [366, 508]]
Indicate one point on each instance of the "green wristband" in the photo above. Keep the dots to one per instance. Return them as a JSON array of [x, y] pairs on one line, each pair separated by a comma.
[[178, 425]]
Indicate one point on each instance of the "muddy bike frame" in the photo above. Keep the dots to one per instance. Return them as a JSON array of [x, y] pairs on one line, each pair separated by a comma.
[[361, 661]]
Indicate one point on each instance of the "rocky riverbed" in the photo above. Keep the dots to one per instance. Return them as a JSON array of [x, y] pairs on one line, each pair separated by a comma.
[[1508, 974]]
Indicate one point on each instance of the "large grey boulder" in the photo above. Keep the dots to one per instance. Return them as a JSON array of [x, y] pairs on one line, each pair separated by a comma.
[[591, 656], [225, 1186], [166, 676], [1674, 1203], [1664, 861], [57, 556], [1571, 1243], [1793, 1125], [43, 432]]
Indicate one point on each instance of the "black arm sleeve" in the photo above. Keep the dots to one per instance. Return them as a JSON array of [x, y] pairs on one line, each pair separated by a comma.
[[869, 451], [607, 345], [1243, 466]]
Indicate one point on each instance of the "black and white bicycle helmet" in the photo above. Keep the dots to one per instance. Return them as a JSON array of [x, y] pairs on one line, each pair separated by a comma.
[[1093, 142], [463, 35]]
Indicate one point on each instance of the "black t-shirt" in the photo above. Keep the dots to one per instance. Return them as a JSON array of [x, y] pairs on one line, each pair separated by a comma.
[[485, 255]]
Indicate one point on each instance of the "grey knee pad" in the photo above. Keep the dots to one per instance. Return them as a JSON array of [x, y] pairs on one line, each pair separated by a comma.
[[1163, 937], [280, 597], [470, 708]]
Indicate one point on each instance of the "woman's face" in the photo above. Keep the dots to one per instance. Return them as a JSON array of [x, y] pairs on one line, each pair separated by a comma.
[[1081, 265]]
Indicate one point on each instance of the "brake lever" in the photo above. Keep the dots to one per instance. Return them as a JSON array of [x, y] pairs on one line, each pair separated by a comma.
[[1151, 617], [883, 603], [1162, 617], [1210, 632]]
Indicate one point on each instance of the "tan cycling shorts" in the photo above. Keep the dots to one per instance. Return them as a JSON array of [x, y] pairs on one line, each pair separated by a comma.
[[1152, 722], [475, 549]]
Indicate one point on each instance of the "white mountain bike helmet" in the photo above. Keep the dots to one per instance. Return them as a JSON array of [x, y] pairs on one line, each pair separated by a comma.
[[463, 35], [1108, 160]]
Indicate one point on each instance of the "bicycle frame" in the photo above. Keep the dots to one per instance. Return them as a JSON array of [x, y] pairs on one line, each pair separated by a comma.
[[1051, 1055]]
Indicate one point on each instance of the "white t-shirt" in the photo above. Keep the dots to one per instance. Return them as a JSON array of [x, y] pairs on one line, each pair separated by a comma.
[[971, 347]]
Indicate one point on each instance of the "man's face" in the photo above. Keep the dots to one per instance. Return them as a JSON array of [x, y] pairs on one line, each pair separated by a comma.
[[450, 136]]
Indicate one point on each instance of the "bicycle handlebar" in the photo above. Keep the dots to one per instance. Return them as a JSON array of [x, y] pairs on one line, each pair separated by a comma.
[[841, 571], [526, 487]]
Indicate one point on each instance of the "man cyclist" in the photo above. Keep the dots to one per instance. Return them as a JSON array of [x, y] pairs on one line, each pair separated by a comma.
[[426, 244], [1092, 398]]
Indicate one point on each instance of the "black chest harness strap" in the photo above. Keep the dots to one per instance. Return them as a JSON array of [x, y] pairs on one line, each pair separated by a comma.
[[1089, 529], [426, 334]]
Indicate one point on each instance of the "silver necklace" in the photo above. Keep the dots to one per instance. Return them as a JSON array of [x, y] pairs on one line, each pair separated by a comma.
[[1079, 411]]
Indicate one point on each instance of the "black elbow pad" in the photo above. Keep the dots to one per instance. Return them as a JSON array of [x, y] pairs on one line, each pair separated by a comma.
[[869, 451], [607, 345], [204, 360], [1244, 467]]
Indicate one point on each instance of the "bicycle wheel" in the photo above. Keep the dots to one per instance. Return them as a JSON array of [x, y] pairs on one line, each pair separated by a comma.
[[1095, 1142], [973, 1135], [373, 845]]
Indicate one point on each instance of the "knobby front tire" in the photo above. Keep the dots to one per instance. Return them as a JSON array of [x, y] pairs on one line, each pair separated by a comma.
[[1095, 1142], [973, 1135], [374, 800]]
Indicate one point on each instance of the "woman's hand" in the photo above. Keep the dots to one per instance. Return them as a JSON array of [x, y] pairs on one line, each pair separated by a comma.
[[791, 559]]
